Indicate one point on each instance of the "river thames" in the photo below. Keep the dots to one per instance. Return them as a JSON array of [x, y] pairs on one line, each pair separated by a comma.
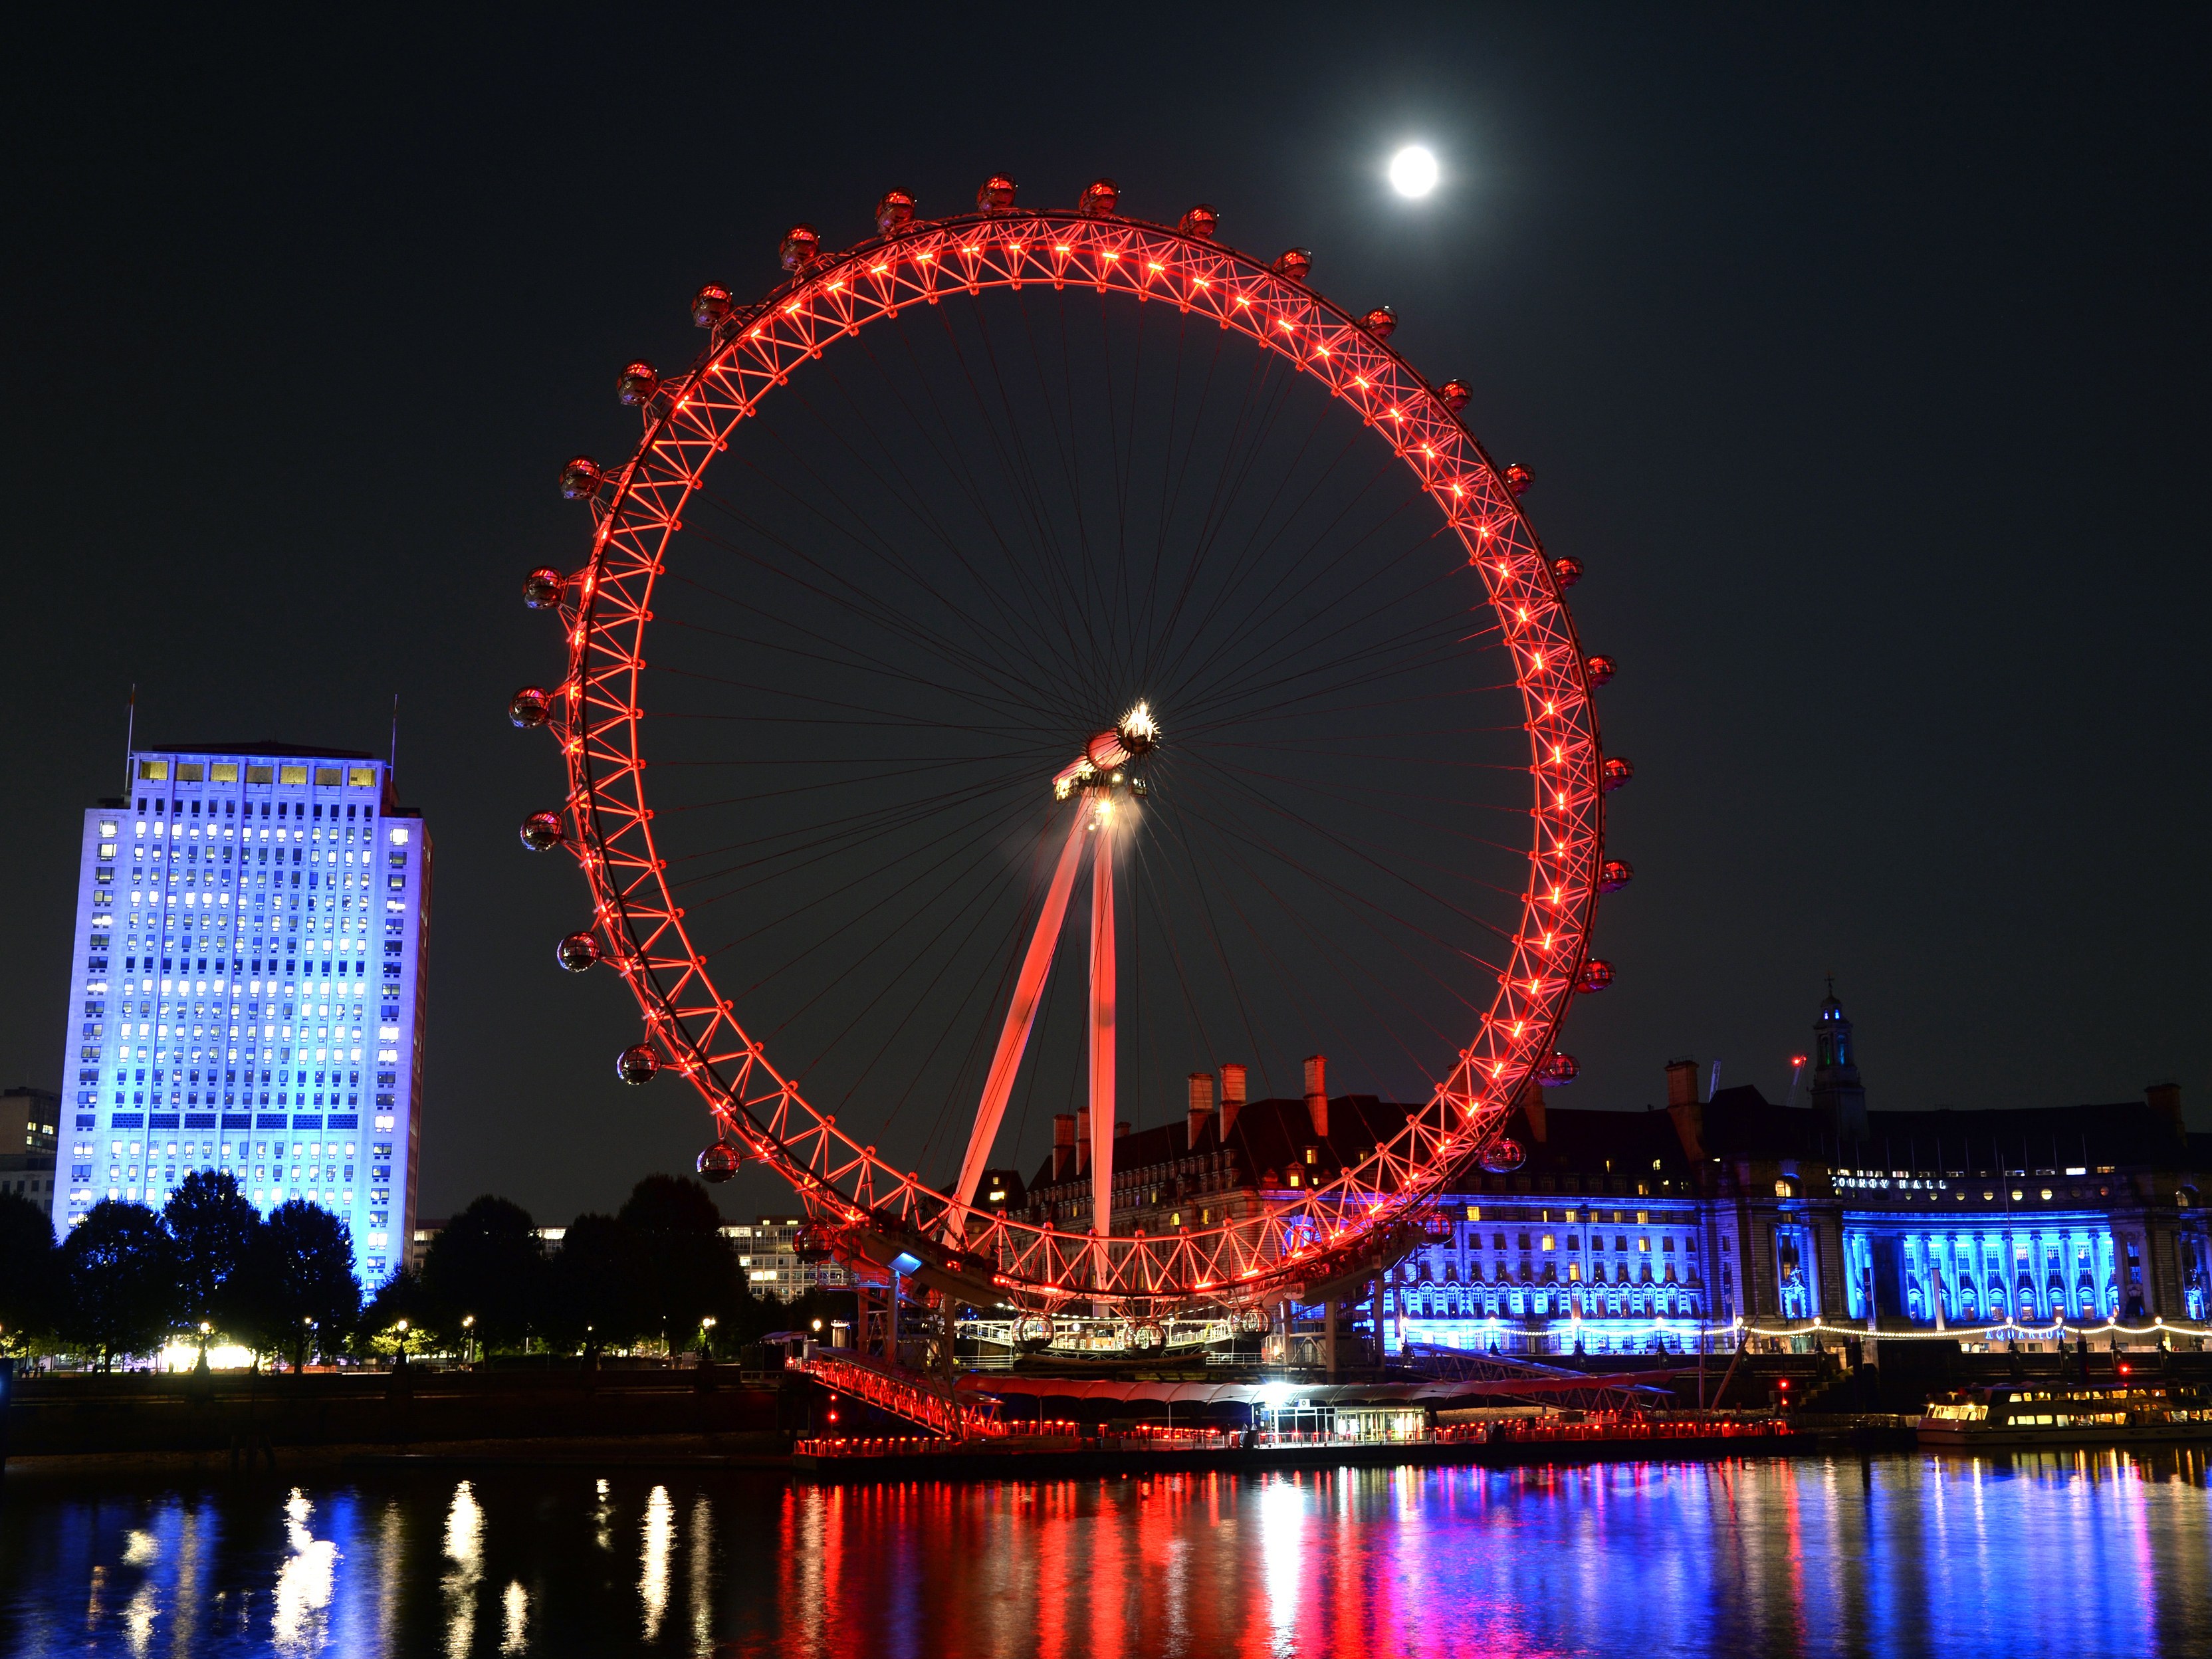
[[2102, 1553]]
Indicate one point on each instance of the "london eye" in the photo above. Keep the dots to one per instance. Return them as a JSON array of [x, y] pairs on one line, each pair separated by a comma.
[[1031, 657]]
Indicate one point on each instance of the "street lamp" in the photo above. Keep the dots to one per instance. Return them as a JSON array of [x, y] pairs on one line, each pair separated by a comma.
[[468, 1339], [705, 1331]]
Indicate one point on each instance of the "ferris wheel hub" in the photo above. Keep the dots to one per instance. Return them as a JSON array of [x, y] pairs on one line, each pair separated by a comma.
[[1104, 762]]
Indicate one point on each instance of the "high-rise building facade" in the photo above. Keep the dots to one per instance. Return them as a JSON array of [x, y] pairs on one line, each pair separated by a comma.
[[247, 989]]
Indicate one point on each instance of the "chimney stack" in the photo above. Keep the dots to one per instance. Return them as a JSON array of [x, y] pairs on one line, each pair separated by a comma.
[[1201, 1106], [1232, 1096], [1682, 1082], [1318, 1094], [1082, 1140], [1063, 1146], [2165, 1099]]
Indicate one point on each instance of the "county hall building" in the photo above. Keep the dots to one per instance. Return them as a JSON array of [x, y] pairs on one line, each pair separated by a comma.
[[1626, 1229]]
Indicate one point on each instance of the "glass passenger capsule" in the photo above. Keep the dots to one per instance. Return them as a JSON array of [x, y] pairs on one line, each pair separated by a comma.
[[895, 212], [530, 707], [709, 305], [719, 1162], [580, 478]]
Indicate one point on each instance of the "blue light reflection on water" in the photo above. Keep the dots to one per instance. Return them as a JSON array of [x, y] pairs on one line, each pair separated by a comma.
[[2088, 1554]]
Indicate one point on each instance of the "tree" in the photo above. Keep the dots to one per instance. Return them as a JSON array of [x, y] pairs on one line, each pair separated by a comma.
[[30, 1273], [488, 1263], [691, 1272], [118, 1291], [396, 1322], [599, 1276], [212, 1229], [299, 1291]]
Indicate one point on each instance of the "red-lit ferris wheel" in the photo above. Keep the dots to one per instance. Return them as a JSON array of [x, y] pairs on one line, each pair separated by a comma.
[[1023, 566]]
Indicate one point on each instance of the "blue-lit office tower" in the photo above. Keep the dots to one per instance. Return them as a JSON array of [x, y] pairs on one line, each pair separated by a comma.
[[246, 989]]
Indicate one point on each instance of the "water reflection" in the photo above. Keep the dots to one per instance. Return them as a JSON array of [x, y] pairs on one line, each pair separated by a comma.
[[2102, 1553], [304, 1582], [464, 1570], [659, 1538]]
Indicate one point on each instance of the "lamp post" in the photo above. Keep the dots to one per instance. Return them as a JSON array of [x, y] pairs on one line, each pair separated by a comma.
[[706, 1332], [401, 1364], [468, 1339]]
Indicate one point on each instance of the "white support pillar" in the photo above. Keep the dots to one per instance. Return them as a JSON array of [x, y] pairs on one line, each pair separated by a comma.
[[1021, 1015], [1102, 1036]]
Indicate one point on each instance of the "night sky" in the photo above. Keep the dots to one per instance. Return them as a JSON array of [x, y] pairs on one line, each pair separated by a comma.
[[1862, 360]]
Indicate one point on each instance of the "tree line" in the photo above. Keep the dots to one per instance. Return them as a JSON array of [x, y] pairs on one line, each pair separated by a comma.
[[209, 1269]]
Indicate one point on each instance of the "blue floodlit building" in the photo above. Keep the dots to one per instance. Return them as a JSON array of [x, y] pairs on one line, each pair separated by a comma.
[[246, 989], [1627, 1229]]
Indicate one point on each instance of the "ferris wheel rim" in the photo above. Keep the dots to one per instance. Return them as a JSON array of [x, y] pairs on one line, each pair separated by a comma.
[[636, 912]]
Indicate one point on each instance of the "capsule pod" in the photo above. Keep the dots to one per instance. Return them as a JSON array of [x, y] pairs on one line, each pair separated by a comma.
[[530, 707], [580, 478], [812, 1243], [1600, 669], [719, 1162], [1147, 1336], [1615, 874], [1567, 572], [801, 247], [1198, 223], [1503, 1155], [1382, 322], [636, 383], [576, 952], [1455, 394], [1518, 477], [709, 305], [1558, 1069], [542, 587], [1100, 198], [1618, 772], [1293, 263], [543, 831], [636, 1065], [895, 211], [1597, 973], [995, 194]]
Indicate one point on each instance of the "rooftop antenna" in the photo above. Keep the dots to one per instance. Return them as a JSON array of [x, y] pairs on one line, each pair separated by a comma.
[[1714, 1087], [1796, 1072], [129, 734], [393, 765]]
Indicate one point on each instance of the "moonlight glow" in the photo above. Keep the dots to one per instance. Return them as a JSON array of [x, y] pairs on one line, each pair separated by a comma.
[[1413, 171]]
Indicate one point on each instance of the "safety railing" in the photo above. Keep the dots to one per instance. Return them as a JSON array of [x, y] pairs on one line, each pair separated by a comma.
[[916, 1400]]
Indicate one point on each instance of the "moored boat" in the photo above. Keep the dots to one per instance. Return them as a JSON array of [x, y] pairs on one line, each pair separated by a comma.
[[2123, 1414]]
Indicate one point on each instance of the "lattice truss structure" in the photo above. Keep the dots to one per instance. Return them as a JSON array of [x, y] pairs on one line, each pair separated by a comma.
[[876, 1210]]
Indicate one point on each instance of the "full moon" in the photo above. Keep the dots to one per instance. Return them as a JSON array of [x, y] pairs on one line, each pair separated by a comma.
[[1413, 171]]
